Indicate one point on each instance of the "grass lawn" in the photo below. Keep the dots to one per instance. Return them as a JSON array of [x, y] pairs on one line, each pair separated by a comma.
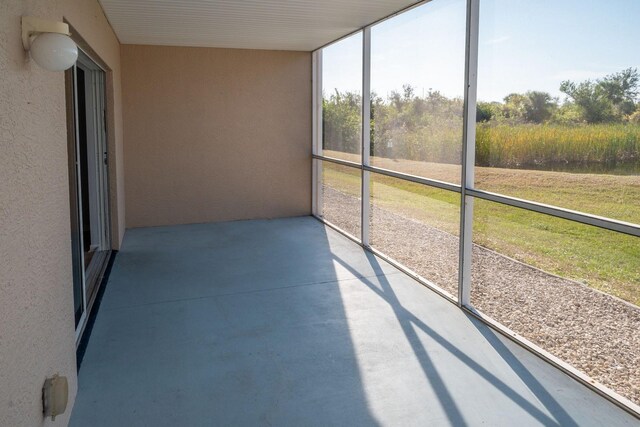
[[602, 259]]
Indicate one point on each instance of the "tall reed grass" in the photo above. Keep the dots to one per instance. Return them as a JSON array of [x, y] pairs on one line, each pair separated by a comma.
[[512, 146]]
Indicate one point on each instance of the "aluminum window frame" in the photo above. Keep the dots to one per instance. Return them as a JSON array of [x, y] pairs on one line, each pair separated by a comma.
[[468, 192]]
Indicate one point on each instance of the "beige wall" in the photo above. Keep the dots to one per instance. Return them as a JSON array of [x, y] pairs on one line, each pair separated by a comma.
[[36, 300], [215, 134]]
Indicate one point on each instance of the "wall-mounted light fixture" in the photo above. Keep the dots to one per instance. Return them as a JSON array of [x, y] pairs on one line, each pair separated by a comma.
[[49, 43]]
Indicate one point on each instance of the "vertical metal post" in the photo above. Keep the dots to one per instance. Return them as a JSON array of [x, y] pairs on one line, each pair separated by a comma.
[[366, 133], [468, 153], [316, 137]]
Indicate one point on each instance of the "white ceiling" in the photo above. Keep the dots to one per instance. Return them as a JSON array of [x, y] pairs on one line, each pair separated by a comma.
[[246, 24]]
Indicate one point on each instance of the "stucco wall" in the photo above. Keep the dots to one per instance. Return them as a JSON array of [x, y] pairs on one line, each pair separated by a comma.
[[36, 301], [215, 134]]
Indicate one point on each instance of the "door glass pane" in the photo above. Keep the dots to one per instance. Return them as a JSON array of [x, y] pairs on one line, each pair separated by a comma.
[[417, 85], [342, 99], [558, 107], [81, 182], [83, 152], [570, 288], [418, 226]]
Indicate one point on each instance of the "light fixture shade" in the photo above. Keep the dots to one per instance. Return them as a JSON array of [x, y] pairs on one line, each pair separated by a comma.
[[54, 52]]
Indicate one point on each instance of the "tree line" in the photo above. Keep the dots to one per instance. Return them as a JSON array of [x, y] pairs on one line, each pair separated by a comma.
[[428, 127], [612, 99], [403, 125]]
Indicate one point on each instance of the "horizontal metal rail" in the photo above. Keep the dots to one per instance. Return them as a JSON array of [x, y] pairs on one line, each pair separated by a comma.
[[417, 179], [338, 161], [400, 175], [403, 268], [602, 390], [583, 218], [338, 229], [409, 272], [571, 215]]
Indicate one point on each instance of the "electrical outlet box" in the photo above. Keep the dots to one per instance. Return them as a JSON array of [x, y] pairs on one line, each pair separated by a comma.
[[55, 394]]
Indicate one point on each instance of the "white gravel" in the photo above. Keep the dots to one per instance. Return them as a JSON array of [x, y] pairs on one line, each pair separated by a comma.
[[596, 333]]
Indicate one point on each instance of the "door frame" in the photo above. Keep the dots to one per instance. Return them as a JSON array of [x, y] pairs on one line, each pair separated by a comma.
[[95, 271]]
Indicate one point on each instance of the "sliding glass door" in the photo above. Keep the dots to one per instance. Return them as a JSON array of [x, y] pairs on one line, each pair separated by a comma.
[[88, 171]]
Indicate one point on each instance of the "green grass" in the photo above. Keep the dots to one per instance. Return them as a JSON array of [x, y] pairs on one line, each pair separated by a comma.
[[602, 259], [610, 196]]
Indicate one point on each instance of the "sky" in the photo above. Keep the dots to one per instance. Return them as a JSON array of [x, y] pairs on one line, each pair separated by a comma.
[[523, 45]]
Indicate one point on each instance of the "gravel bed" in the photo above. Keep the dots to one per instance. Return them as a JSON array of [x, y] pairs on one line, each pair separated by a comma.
[[596, 333]]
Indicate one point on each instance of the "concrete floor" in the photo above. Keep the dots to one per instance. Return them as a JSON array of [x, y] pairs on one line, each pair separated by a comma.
[[287, 323]]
